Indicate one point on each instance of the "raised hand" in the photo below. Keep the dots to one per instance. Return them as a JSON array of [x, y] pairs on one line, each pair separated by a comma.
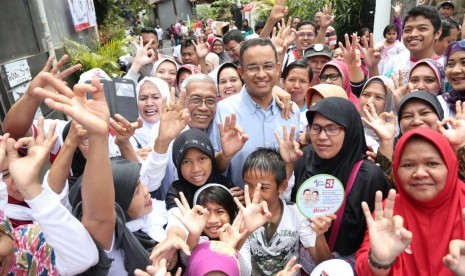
[[290, 269], [76, 135], [38, 152], [92, 114], [398, 8], [383, 124], [40, 81], [372, 55], [282, 38], [328, 18], [144, 55], [3, 147], [400, 90], [174, 117], [153, 271], [279, 10], [233, 234], [455, 260], [350, 52], [388, 237], [167, 250], [255, 214], [232, 136], [288, 147], [123, 129], [456, 133], [201, 49], [193, 219], [320, 224], [283, 100], [144, 152]]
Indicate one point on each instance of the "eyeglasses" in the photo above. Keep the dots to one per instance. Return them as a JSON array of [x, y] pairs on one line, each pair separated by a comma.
[[254, 69], [233, 49], [209, 102], [333, 76], [330, 130], [303, 35]]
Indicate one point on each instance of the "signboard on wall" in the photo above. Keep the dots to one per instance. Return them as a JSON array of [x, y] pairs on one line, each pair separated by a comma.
[[83, 13], [17, 72]]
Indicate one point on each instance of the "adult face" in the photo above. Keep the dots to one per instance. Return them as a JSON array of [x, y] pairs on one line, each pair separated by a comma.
[[146, 38], [189, 56], [259, 71], [455, 70], [12, 190], [441, 45], [201, 114], [337, 54], [217, 217], [307, 195], [416, 113], [326, 146], [196, 167], [167, 72], [182, 76], [296, 84], [233, 49], [141, 203], [374, 93], [315, 196], [217, 47], [446, 10], [149, 103], [331, 75], [316, 63], [318, 17], [229, 83], [423, 77], [305, 37], [295, 21], [422, 171], [419, 35]]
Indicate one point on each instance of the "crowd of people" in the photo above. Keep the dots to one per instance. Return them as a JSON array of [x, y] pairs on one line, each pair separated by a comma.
[[230, 127]]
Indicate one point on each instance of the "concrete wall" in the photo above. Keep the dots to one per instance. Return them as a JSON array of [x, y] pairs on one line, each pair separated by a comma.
[[165, 12]]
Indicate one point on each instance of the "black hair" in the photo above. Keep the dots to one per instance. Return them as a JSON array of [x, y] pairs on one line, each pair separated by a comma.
[[316, 192], [427, 12], [388, 28], [298, 17], [447, 24], [220, 196], [233, 35], [149, 31], [266, 160], [186, 43], [297, 64], [256, 42], [305, 22], [362, 31], [228, 65], [259, 25], [307, 190]]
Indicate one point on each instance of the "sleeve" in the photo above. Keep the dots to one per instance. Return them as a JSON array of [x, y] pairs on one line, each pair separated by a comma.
[[174, 221], [132, 75], [215, 134], [154, 168], [357, 87], [332, 37], [306, 233], [461, 157], [63, 232], [386, 165], [361, 257], [398, 23], [63, 196], [3, 194], [245, 259]]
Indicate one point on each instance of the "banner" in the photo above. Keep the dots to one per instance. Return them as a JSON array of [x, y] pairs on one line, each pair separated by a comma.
[[83, 13]]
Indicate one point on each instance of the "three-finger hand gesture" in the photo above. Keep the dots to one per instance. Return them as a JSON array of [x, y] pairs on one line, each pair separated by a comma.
[[289, 149], [233, 234], [193, 219], [255, 213], [455, 260], [232, 136]]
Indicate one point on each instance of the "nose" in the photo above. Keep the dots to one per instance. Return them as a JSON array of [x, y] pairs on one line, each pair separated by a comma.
[[212, 218], [150, 101], [420, 85], [203, 105], [420, 172], [328, 80], [195, 167], [417, 121]]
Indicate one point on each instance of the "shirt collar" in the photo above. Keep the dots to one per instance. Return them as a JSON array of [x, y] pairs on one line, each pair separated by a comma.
[[253, 106]]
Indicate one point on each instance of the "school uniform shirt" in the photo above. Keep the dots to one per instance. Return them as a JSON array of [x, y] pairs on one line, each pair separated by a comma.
[[268, 258]]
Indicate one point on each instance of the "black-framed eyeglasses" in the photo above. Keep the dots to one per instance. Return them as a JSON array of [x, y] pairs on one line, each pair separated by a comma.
[[333, 76], [209, 102], [330, 130], [234, 49]]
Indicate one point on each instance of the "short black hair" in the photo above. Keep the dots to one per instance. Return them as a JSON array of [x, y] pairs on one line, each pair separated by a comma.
[[297, 64], [149, 31], [316, 192], [446, 25], [259, 25], [224, 66], [186, 43], [427, 12], [303, 23], [362, 31], [266, 160], [388, 28], [233, 35], [220, 196], [256, 42], [307, 190]]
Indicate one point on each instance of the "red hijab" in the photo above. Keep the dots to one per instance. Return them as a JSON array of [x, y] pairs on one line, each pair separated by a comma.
[[433, 223], [342, 68]]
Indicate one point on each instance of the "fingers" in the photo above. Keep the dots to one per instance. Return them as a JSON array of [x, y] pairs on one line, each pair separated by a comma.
[[48, 64], [71, 70], [11, 150], [247, 195], [56, 84], [265, 209], [59, 64], [256, 194]]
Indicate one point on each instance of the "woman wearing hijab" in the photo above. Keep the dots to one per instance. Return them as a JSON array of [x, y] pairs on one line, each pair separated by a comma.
[[246, 29], [338, 148], [410, 235], [217, 47], [427, 75], [454, 69], [336, 72], [165, 69]]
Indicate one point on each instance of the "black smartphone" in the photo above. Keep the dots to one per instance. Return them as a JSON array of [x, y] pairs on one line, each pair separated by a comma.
[[109, 89], [126, 99]]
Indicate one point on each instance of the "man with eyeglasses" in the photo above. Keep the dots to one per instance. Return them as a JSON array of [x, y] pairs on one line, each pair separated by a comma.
[[233, 41], [256, 111], [305, 38], [316, 56]]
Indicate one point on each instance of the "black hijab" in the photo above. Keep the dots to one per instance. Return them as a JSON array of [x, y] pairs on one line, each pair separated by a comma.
[[192, 138], [369, 179], [79, 161]]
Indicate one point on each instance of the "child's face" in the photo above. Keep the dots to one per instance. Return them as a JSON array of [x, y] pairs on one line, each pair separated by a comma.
[[217, 218], [391, 36], [13, 191], [269, 191], [196, 167], [141, 203]]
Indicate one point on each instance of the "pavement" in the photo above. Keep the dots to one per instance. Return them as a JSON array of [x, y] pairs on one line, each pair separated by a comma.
[[167, 48]]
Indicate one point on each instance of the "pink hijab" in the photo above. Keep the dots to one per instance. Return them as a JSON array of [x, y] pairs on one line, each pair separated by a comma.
[[342, 68]]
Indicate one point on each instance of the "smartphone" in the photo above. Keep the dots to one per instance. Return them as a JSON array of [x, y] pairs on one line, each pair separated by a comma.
[[126, 99], [109, 89]]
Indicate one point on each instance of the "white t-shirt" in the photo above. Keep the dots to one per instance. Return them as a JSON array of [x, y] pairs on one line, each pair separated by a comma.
[[159, 33], [293, 229]]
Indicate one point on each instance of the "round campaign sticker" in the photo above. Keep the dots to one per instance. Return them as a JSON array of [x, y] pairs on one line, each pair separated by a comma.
[[320, 194]]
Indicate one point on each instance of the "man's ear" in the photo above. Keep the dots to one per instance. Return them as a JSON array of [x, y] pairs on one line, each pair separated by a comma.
[[438, 34], [240, 69], [282, 187]]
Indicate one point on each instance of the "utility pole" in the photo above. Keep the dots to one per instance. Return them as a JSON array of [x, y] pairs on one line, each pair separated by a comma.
[[175, 11]]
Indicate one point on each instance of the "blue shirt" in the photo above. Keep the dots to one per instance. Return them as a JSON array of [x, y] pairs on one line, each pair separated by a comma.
[[259, 124]]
